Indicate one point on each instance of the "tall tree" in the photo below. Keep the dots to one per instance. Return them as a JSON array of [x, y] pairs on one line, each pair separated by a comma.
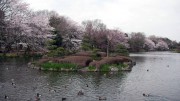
[[149, 45], [67, 30], [136, 41], [162, 45], [94, 35], [24, 25]]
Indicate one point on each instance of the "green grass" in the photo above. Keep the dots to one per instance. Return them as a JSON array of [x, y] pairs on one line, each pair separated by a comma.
[[106, 67], [91, 68], [58, 66]]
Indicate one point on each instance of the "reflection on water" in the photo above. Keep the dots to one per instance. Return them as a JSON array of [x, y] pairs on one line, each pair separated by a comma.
[[161, 82]]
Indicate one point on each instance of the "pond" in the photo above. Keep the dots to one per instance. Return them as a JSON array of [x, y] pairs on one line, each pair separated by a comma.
[[156, 74]]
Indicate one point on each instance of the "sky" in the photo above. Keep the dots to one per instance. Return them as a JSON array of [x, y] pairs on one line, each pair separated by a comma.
[[153, 17]]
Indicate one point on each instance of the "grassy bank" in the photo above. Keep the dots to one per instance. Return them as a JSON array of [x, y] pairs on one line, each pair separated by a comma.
[[108, 67], [59, 66]]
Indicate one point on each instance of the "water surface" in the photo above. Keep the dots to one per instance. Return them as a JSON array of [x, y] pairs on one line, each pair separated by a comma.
[[156, 74]]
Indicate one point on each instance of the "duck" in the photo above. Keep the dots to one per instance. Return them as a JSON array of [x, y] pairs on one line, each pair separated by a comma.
[[38, 97], [5, 97], [146, 95], [63, 99], [13, 83], [52, 90], [80, 93], [102, 98]]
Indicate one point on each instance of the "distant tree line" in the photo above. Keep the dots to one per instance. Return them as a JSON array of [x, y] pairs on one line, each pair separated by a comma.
[[47, 31]]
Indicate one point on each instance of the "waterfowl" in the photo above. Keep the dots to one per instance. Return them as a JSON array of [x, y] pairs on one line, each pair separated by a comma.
[[13, 83], [80, 93], [146, 95], [38, 97], [51, 90], [5, 97], [102, 98], [63, 99]]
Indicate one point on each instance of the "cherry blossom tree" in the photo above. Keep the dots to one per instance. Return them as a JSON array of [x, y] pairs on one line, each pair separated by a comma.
[[24, 25], [118, 37], [14, 14], [149, 45], [96, 35], [162, 46], [68, 30]]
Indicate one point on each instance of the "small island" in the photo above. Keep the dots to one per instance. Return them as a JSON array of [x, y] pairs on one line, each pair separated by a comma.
[[84, 62]]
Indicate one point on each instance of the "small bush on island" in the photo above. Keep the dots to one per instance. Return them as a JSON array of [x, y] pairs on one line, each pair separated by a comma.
[[95, 55], [122, 50], [59, 52]]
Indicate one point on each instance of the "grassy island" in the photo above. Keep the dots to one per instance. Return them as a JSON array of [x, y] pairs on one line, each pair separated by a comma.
[[84, 61]]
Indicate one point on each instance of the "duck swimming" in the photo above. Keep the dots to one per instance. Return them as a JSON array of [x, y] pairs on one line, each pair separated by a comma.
[[80, 93]]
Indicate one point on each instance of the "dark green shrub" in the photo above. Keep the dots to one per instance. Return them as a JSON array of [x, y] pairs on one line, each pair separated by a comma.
[[122, 50], [52, 47], [58, 52], [95, 54]]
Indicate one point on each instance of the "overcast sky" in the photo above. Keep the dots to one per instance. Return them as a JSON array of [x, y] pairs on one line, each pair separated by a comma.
[[153, 17]]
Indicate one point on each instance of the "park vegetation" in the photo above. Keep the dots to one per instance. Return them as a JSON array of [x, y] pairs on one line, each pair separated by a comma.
[[27, 32]]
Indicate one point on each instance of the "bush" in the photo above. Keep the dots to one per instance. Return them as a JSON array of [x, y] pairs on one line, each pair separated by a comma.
[[52, 47], [58, 52], [121, 50], [95, 54]]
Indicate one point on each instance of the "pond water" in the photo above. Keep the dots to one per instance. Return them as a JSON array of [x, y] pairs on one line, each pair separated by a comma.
[[156, 74]]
